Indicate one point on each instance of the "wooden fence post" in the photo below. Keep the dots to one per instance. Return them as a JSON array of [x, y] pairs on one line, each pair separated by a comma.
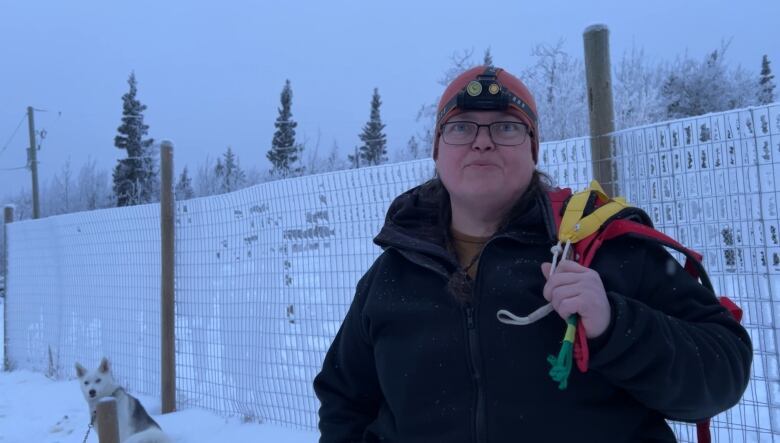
[[107, 426], [167, 312], [600, 105]]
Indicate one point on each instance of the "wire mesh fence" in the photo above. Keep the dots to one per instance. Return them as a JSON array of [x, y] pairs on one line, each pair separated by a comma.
[[711, 183], [265, 275], [263, 280], [86, 284]]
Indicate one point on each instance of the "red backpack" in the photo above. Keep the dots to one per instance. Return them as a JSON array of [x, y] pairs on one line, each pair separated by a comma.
[[621, 219]]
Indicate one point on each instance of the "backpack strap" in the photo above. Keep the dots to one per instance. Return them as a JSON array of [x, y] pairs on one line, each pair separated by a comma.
[[614, 226], [693, 260], [579, 219]]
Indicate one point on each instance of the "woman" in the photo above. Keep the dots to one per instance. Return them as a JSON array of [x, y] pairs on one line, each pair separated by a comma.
[[421, 356]]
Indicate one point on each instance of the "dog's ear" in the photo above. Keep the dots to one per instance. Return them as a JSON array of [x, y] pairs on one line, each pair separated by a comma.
[[80, 370], [104, 365]]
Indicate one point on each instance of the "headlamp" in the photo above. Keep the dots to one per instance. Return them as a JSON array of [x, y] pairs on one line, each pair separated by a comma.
[[486, 93]]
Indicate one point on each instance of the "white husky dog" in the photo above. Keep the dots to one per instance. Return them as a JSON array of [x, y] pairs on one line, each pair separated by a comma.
[[135, 425]]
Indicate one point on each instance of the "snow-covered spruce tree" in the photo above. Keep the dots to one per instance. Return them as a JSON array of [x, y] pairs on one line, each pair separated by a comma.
[[284, 152], [183, 189], [766, 85], [135, 177], [488, 59], [694, 88], [373, 151], [231, 177]]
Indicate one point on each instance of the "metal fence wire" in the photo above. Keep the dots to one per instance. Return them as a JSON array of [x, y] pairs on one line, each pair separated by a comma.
[[265, 275]]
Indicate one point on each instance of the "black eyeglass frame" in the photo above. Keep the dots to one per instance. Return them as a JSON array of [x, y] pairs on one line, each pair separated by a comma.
[[528, 131]]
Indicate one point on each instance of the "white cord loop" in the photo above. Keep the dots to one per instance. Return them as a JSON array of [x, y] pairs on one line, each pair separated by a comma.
[[509, 318]]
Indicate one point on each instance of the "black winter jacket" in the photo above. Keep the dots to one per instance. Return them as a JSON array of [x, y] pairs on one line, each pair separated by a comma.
[[410, 364]]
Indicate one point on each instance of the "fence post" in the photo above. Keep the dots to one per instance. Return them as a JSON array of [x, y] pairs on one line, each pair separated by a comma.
[[8, 218], [600, 106], [107, 426], [167, 313]]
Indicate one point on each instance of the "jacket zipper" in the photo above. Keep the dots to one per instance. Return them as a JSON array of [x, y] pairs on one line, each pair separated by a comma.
[[474, 354]]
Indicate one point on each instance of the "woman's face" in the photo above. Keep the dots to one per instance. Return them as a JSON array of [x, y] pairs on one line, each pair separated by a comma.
[[483, 173]]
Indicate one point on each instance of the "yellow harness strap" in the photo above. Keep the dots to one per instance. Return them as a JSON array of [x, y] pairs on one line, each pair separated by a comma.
[[574, 227]]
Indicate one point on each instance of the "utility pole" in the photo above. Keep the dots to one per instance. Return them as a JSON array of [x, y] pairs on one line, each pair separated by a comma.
[[32, 155]]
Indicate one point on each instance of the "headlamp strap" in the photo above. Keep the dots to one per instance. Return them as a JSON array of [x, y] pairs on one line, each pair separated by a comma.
[[480, 94]]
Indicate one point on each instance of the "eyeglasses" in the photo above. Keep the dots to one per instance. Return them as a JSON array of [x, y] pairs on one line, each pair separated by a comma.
[[502, 133]]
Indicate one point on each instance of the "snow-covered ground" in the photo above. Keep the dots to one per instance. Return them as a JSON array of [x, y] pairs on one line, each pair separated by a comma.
[[36, 409]]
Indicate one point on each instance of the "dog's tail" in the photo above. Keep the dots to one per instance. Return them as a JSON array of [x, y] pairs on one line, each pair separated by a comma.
[[152, 435]]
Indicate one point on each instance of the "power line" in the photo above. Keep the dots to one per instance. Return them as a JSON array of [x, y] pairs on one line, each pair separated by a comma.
[[10, 139], [13, 169]]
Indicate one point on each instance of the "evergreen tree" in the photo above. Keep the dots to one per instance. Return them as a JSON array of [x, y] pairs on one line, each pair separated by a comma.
[[488, 60], [135, 177], [374, 148], [183, 190], [354, 160], [231, 176], [414, 148], [283, 154], [699, 87], [219, 172], [672, 92], [766, 93]]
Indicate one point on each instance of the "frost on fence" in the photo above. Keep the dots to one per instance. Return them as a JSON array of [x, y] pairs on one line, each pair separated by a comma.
[[711, 183], [264, 277], [85, 285], [567, 162]]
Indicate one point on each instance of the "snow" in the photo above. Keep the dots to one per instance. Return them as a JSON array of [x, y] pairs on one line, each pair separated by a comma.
[[36, 409]]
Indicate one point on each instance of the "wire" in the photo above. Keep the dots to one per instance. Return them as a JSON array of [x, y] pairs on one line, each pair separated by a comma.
[[13, 169], [10, 139]]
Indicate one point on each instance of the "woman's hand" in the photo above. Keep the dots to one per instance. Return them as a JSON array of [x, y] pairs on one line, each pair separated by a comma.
[[575, 289]]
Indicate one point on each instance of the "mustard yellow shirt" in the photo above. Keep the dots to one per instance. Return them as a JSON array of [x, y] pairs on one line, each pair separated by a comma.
[[467, 248]]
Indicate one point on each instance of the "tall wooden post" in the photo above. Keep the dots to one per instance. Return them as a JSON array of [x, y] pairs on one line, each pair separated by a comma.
[[167, 312], [600, 106]]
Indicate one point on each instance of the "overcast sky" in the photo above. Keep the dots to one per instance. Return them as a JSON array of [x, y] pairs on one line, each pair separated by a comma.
[[211, 72]]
